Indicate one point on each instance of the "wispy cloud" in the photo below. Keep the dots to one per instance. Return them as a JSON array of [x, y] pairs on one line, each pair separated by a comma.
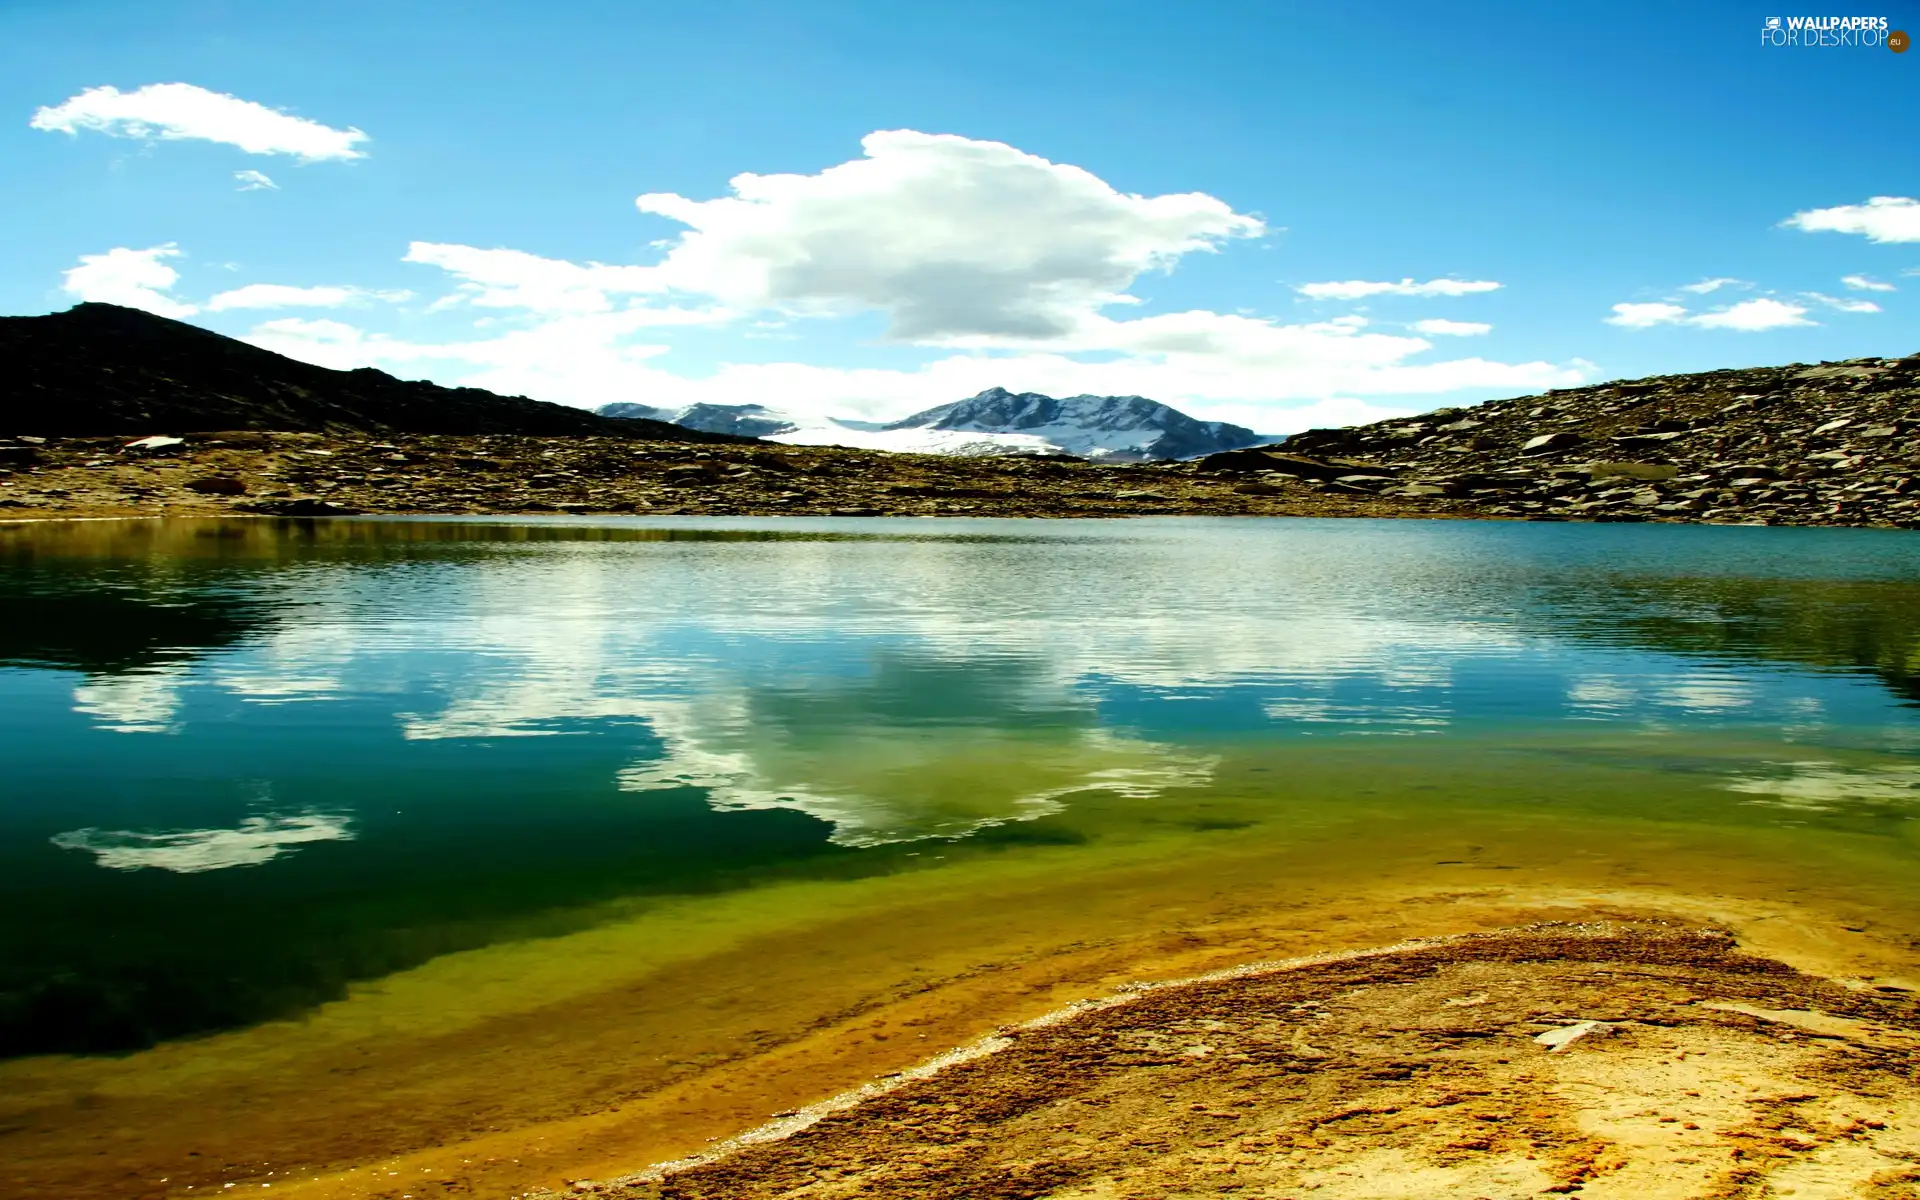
[[254, 181], [1748, 316], [1843, 305], [180, 111], [1441, 327], [1706, 286], [280, 295], [1863, 283], [257, 840], [1357, 289], [1643, 316]]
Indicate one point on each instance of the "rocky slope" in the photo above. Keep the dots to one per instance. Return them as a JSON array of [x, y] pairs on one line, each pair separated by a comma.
[[1831, 444], [99, 369]]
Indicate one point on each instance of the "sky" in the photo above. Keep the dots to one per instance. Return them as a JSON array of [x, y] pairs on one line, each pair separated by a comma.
[[1282, 215]]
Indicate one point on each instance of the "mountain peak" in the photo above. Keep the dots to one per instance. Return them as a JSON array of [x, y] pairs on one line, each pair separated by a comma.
[[1115, 428]]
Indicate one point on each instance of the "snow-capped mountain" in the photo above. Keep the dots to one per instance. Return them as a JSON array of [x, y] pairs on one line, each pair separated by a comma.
[[746, 420], [1097, 427], [1102, 428]]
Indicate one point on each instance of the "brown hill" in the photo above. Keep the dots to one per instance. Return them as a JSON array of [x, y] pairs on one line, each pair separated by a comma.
[[99, 369]]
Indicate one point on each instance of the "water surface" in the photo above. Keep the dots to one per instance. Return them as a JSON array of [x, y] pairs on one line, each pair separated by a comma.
[[253, 765]]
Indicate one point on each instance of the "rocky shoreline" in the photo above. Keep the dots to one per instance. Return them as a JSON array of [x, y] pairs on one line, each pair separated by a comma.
[[1833, 444], [1616, 1058]]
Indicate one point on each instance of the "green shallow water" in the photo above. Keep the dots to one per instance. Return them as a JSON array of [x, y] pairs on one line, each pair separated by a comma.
[[249, 763]]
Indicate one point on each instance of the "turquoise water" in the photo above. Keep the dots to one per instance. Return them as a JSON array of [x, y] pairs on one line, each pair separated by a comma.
[[249, 762]]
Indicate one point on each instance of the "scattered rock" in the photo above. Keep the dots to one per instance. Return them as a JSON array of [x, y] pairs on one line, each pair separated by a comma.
[[1557, 1040], [300, 506]]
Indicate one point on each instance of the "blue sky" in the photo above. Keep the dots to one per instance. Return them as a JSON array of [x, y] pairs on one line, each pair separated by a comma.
[[866, 209]]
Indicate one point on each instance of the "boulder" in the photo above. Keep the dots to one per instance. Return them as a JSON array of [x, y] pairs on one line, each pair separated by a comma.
[[1256, 459], [1547, 443], [216, 485]]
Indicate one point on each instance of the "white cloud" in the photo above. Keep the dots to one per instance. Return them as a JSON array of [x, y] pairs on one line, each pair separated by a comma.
[[888, 785], [323, 343], [188, 852], [1228, 368], [1752, 316], [1643, 316], [1881, 219], [1863, 283], [254, 181], [1356, 289], [177, 111], [1844, 305], [133, 278], [1748, 316], [948, 236], [1002, 259], [280, 295], [1441, 327], [1713, 285], [515, 279], [136, 702]]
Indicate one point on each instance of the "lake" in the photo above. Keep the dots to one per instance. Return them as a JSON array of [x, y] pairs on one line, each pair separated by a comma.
[[540, 843]]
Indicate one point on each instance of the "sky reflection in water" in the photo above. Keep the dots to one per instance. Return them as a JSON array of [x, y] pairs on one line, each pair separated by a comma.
[[373, 726]]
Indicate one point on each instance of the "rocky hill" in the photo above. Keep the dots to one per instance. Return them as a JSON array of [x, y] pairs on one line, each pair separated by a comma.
[[99, 369], [1834, 443]]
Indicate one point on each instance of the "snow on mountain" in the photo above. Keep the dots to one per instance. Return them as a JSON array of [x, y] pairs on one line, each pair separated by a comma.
[[747, 420], [1113, 428], [1102, 428]]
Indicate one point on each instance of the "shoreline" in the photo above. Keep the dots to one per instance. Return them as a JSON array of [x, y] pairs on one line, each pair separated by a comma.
[[1024, 1093], [841, 1059]]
